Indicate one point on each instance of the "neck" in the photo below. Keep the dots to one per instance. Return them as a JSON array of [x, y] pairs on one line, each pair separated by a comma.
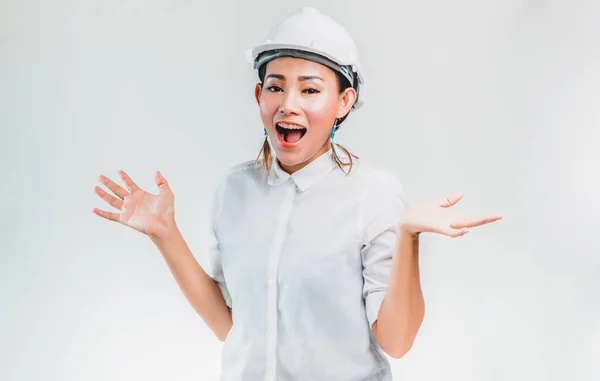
[[290, 169]]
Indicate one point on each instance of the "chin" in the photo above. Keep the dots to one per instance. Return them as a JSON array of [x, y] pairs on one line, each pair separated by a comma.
[[289, 158]]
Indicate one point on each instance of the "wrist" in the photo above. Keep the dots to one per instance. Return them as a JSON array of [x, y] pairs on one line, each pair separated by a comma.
[[168, 233], [407, 230]]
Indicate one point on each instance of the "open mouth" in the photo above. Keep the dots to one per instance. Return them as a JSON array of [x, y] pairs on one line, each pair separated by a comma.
[[289, 134]]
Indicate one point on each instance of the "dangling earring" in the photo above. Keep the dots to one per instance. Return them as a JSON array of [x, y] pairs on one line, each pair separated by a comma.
[[333, 130], [265, 133]]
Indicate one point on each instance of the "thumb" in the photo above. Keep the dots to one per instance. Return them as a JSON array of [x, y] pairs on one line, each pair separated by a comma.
[[451, 199], [161, 182]]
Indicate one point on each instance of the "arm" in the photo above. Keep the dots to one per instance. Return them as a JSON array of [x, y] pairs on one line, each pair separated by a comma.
[[153, 215], [199, 288], [403, 307]]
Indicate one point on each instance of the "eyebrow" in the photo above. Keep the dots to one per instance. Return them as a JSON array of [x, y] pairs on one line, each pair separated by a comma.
[[301, 78]]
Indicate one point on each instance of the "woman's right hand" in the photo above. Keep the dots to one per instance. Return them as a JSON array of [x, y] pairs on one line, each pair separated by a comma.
[[147, 213]]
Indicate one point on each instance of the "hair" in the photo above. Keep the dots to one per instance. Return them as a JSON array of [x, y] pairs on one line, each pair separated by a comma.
[[265, 151]]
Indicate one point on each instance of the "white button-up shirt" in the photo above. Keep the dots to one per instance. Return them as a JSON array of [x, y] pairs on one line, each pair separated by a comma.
[[304, 260]]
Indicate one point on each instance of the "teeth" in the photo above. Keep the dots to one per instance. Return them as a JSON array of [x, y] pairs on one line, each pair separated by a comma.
[[290, 126]]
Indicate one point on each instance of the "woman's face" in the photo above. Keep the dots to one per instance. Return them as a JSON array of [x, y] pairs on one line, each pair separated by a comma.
[[299, 101]]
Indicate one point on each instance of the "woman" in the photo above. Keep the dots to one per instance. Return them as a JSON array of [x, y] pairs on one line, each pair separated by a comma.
[[315, 252]]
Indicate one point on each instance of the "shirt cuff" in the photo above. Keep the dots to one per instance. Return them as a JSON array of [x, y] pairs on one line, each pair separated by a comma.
[[373, 303], [225, 293]]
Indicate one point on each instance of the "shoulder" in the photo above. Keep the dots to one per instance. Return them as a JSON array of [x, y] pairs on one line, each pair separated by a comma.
[[241, 179], [376, 177], [236, 179], [382, 200], [244, 170], [382, 192]]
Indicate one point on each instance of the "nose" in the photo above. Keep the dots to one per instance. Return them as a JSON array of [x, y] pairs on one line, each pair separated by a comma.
[[289, 103]]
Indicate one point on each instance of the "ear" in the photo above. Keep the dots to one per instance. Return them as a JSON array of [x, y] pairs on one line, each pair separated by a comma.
[[347, 98], [257, 91]]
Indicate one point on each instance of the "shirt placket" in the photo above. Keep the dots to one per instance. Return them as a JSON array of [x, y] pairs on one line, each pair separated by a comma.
[[272, 275]]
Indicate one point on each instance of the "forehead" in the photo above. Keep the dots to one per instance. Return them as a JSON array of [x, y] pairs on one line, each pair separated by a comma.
[[293, 66]]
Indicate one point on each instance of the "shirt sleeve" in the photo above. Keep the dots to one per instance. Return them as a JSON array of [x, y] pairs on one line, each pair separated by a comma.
[[214, 250], [383, 204]]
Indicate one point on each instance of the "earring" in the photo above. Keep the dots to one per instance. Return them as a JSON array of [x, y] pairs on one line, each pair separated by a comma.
[[265, 133], [333, 130]]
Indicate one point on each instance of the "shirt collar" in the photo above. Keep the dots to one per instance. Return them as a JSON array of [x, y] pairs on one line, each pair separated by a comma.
[[305, 177]]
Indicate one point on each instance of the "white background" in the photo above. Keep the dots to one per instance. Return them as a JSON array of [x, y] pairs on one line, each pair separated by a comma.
[[499, 99]]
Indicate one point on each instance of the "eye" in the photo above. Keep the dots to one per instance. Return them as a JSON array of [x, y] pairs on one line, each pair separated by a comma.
[[274, 88], [312, 91]]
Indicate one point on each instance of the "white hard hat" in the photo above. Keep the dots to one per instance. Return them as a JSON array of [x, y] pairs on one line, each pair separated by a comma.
[[317, 34]]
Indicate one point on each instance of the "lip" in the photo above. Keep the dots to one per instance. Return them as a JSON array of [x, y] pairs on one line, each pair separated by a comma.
[[289, 122], [282, 142]]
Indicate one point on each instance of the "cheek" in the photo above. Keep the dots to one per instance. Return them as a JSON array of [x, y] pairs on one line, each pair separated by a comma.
[[268, 107], [321, 113]]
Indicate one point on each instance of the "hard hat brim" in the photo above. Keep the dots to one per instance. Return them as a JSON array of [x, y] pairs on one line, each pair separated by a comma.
[[253, 53]]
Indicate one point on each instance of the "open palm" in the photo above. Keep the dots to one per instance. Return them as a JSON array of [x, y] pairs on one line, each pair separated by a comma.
[[440, 217], [145, 212]]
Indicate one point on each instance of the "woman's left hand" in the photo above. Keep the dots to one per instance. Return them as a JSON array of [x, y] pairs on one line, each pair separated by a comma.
[[439, 217]]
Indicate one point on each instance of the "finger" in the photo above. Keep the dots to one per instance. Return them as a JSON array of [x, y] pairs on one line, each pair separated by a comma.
[[116, 188], [474, 220], [454, 233], [161, 182], [110, 199], [107, 215], [451, 199], [130, 184]]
